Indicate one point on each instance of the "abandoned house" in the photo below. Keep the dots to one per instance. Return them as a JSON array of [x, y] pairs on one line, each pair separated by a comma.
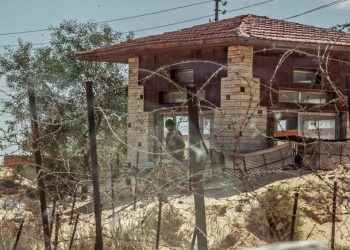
[[258, 79], [22, 165]]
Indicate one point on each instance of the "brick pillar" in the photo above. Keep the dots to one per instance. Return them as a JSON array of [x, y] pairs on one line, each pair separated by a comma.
[[139, 122], [240, 121]]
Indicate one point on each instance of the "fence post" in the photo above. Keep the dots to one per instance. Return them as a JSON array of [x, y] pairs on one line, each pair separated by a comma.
[[159, 220], [284, 165], [341, 152], [136, 176], [264, 158], [94, 165], [73, 205], [319, 155], [234, 165], [222, 161], [73, 233], [245, 165], [19, 231], [57, 228], [294, 216], [196, 167], [334, 215], [211, 162], [112, 189], [38, 163], [52, 215]]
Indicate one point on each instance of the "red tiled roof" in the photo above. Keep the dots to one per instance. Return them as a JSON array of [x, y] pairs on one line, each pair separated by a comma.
[[11, 160], [240, 28]]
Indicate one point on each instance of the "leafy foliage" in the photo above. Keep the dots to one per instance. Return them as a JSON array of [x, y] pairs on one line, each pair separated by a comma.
[[342, 27], [61, 102]]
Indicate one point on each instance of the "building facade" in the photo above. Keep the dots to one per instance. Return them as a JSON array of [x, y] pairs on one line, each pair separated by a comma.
[[258, 79]]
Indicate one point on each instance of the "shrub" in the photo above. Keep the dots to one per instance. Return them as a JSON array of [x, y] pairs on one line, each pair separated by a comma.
[[171, 223], [271, 219]]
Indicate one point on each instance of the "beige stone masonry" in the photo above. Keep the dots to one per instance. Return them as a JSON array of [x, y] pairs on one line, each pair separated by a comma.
[[240, 122], [138, 132], [346, 126]]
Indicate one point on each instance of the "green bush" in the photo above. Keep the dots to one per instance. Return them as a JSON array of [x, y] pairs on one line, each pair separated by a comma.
[[271, 219]]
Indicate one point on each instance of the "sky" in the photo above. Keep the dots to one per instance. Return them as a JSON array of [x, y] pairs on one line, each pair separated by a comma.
[[24, 15]]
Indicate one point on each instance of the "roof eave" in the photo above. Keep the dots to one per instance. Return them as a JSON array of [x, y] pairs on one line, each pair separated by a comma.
[[122, 55]]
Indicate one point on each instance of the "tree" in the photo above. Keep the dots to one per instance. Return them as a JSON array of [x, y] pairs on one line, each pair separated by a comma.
[[342, 27], [58, 78]]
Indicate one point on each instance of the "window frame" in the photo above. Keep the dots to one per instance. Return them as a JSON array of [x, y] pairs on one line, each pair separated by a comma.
[[174, 77], [317, 79], [162, 97], [329, 96]]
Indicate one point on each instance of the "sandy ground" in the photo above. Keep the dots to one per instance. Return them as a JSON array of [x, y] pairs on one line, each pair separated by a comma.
[[227, 207]]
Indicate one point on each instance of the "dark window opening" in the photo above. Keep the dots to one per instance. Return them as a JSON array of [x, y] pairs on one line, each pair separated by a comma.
[[306, 97], [182, 75], [175, 97], [307, 76]]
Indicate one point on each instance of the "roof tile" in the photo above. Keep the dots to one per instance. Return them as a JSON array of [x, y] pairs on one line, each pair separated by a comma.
[[252, 26]]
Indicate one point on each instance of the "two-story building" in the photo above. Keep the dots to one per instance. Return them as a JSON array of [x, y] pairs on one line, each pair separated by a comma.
[[258, 78]]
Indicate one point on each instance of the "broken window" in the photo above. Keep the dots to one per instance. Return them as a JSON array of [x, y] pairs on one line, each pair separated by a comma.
[[174, 97], [288, 96], [287, 124], [307, 76], [323, 126], [314, 97], [305, 97], [182, 75], [182, 124], [318, 126]]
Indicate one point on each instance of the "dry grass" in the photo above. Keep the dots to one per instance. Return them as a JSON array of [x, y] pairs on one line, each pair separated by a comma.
[[271, 219], [29, 239], [171, 223]]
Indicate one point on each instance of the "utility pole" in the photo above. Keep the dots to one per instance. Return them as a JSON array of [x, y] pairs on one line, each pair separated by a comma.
[[196, 168], [217, 10], [38, 163], [94, 165]]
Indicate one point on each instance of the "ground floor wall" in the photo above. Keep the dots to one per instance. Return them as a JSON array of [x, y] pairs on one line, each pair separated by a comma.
[[317, 125]]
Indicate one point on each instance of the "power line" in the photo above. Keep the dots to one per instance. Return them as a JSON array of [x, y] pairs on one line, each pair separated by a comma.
[[165, 25], [198, 18], [112, 20], [315, 9]]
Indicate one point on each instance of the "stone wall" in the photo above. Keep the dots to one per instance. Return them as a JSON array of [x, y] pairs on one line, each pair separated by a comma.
[[240, 122], [139, 122]]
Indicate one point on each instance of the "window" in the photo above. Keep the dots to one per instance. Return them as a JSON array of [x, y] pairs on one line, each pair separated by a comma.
[[313, 97], [182, 124], [173, 97], [176, 97], [307, 76], [288, 96], [305, 97], [182, 75], [287, 124], [318, 126]]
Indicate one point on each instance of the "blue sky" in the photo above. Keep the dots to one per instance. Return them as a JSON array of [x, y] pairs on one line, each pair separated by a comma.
[[22, 15]]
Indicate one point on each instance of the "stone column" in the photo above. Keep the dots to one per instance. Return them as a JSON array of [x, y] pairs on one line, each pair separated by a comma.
[[240, 122], [139, 122]]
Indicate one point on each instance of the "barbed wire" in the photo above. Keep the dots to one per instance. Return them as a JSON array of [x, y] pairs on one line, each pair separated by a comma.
[[246, 191]]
